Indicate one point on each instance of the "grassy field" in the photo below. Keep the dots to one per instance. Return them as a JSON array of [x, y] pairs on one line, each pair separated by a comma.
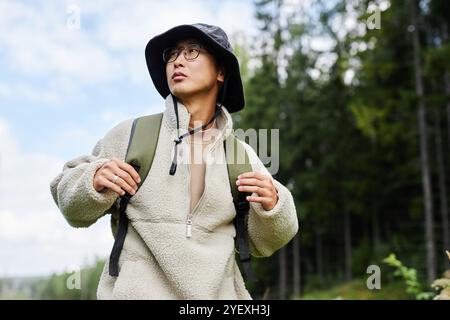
[[357, 290], [32, 288]]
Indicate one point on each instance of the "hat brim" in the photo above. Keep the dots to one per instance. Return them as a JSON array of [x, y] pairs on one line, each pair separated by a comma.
[[234, 98]]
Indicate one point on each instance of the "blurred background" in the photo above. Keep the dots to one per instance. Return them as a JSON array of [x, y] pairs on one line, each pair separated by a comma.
[[359, 90]]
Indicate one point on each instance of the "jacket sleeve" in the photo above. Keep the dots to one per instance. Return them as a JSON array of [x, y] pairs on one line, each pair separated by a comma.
[[270, 230], [73, 190]]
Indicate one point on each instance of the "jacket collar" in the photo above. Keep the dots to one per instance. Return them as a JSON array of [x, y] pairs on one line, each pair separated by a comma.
[[224, 121]]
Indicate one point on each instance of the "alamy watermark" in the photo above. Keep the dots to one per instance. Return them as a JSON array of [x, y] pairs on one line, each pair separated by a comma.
[[257, 148], [373, 282], [73, 21], [74, 279], [374, 19]]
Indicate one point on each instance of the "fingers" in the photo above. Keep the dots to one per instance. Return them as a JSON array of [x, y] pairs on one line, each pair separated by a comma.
[[129, 169], [123, 183], [251, 182], [266, 202], [112, 186], [254, 189], [261, 186], [262, 200], [255, 175], [127, 177], [254, 179]]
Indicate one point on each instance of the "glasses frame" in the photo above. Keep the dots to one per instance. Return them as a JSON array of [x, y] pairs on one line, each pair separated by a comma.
[[185, 53]]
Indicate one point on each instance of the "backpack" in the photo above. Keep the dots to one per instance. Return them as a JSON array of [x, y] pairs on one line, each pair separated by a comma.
[[140, 153]]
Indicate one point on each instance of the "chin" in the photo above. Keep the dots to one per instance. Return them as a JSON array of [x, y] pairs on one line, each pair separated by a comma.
[[179, 90]]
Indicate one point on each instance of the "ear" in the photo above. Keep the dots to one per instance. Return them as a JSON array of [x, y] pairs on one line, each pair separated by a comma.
[[221, 75]]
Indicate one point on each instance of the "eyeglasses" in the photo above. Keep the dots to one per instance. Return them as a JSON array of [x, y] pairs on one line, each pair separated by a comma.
[[191, 52]]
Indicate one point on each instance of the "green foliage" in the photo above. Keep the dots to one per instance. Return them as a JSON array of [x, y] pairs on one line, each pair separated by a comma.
[[357, 290], [368, 119], [409, 275], [349, 147], [55, 287]]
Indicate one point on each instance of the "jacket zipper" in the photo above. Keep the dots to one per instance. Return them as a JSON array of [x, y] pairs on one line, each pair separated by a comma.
[[191, 214], [188, 197], [195, 209]]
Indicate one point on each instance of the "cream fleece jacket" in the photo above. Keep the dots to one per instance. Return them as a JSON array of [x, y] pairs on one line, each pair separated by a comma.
[[157, 260]]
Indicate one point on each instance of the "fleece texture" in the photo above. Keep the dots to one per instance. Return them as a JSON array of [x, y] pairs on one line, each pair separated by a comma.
[[158, 261]]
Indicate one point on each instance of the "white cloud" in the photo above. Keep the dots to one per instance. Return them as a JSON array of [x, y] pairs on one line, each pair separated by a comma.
[[75, 135], [37, 43], [5, 90], [30, 93], [113, 116], [34, 237], [132, 26], [110, 42]]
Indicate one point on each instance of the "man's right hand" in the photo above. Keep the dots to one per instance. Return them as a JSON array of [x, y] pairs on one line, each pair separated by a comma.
[[127, 181]]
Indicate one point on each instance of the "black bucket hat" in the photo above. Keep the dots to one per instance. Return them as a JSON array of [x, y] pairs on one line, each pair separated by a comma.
[[212, 37]]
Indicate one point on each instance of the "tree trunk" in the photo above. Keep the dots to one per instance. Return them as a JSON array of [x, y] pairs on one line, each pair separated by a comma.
[[375, 230], [282, 273], [328, 268], [426, 180], [347, 247], [442, 187], [445, 219], [375, 220], [319, 255], [296, 265]]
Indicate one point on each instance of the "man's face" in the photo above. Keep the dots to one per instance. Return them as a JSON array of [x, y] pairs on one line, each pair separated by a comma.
[[199, 76]]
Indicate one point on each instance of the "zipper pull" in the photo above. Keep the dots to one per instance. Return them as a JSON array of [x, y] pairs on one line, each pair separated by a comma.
[[188, 228]]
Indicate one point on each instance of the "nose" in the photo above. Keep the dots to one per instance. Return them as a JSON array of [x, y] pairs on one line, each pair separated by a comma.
[[178, 61]]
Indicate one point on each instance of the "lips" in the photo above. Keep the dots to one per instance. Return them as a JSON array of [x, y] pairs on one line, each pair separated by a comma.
[[178, 74]]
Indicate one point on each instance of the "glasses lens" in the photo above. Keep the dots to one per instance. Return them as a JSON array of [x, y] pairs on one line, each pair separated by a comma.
[[192, 51], [170, 54]]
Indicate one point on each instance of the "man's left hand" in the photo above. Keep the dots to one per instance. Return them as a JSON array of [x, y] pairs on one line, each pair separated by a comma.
[[262, 185]]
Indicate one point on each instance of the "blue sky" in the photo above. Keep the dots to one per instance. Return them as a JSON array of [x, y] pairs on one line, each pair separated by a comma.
[[61, 90]]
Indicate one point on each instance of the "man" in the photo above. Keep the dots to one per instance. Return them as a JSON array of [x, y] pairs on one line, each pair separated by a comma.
[[180, 240]]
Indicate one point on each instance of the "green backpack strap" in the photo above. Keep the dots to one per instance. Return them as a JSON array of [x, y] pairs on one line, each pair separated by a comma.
[[140, 153], [142, 145], [237, 163]]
